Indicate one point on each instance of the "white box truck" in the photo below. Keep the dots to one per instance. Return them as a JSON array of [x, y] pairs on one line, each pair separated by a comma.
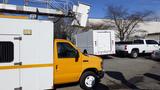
[[97, 42], [31, 59]]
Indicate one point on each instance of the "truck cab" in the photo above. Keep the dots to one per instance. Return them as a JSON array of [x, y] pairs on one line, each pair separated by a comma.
[[70, 65]]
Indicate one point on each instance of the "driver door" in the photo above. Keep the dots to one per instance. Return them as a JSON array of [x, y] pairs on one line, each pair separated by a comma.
[[68, 67]]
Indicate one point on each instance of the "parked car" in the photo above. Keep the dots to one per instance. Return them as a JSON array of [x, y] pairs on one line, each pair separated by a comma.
[[156, 55], [134, 48]]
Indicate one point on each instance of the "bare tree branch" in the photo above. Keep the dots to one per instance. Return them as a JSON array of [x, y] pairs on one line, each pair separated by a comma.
[[125, 21]]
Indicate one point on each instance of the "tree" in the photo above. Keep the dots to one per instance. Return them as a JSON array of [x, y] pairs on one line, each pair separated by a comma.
[[125, 21], [64, 30]]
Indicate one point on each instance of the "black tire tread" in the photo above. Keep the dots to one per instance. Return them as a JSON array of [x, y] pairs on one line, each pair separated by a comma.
[[82, 79]]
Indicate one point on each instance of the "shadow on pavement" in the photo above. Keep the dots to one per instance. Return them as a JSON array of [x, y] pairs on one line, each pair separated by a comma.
[[100, 86], [153, 76], [106, 57], [136, 79], [119, 76]]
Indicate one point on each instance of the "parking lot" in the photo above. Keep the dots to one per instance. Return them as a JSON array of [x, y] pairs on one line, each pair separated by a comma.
[[126, 73]]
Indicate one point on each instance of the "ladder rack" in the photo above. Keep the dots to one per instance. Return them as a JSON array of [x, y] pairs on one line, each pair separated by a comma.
[[8, 8]]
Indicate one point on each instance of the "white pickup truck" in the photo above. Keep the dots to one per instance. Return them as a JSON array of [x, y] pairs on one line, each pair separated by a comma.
[[136, 47]]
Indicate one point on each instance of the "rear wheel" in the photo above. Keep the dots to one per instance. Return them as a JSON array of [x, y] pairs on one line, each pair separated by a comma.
[[88, 80], [134, 54]]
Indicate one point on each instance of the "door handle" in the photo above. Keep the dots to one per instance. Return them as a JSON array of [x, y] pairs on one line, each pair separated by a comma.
[[18, 88], [95, 42], [56, 67], [85, 61], [18, 63]]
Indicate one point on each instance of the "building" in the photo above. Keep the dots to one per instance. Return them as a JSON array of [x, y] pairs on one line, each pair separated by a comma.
[[147, 29], [152, 28]]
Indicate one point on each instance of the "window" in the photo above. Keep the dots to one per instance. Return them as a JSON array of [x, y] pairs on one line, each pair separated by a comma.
[[138, 42], [6, 52], [151, 42], [65, 50]]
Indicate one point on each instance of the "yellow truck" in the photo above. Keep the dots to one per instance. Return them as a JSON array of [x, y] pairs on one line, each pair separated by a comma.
[[31, 59]]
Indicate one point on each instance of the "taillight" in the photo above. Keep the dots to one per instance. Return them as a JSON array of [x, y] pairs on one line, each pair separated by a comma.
[[125, 47]]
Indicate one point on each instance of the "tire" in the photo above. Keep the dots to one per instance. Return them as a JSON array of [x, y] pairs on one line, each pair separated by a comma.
[[88, 80], [134, 54]]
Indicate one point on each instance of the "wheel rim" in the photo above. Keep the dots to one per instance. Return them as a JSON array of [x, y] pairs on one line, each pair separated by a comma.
[[90, 81], [135, 54]]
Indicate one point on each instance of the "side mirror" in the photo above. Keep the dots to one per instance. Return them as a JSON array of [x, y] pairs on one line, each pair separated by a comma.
[[85, 52]]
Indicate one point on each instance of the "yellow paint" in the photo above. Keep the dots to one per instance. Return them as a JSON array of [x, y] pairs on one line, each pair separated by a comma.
[[70, 71], [14, 17], [25, 66]]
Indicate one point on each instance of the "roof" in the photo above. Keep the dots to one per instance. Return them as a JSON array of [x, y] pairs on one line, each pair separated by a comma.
[[154, 33]]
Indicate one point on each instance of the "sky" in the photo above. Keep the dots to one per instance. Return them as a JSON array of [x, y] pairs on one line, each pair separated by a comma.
[[99, 7]]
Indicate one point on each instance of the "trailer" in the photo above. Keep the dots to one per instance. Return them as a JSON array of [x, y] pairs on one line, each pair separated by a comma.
[[97, 42]]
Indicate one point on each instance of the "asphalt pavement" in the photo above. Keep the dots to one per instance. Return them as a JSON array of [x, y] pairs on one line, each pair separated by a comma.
[[126, 73]]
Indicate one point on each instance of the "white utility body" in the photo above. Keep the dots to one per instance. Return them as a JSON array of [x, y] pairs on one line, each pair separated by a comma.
[[97, 42], [26, 55]]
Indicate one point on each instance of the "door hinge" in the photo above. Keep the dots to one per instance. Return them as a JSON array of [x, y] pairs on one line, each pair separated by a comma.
[[17, 38], [18, 63], [18, 88]]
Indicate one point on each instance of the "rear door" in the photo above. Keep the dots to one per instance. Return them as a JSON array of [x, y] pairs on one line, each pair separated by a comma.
[[9, 61], [102, 42]]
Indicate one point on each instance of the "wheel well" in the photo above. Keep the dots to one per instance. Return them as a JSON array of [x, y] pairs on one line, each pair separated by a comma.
[[91, 69], [143, 51], [135, 49]]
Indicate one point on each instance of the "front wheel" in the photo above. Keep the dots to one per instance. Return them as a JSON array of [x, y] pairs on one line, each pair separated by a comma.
[[88, 80]]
